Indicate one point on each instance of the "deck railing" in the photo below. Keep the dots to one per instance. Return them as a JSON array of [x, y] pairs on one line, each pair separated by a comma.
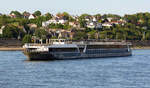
[[81, 42]]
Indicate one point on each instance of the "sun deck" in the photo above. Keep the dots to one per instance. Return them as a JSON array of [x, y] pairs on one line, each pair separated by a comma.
[[82, 42]]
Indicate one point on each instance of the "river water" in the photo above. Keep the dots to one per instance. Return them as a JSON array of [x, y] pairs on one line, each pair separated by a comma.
[[122, 72]]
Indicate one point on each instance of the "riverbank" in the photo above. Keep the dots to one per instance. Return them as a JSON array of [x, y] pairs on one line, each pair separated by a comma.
[[11, 49], [140, 47]]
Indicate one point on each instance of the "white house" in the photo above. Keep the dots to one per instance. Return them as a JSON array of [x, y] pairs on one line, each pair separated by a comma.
[[1, 30], [54, 21], [94, 19], [46, 23], [94, 25], [62, 21], [91, 25], [32, 16], [109, 19], [87, 19], [107, 24], [12, 15]]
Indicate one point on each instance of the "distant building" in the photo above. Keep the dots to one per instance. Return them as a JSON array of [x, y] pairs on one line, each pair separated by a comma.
[[109, 19], [54, 20], [26, 15], [12, 15], [94, 25], [107, 24], [99, 26], [94, 19], [1, 30], [74, 24], [32, 16], [91, 24]]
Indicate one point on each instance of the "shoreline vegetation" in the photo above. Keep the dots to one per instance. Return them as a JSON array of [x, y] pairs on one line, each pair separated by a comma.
[[30, 27]]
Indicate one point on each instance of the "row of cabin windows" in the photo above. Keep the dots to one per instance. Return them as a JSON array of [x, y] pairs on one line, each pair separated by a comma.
[[106, 51], [68, 55], [105, 46], [63, 50]]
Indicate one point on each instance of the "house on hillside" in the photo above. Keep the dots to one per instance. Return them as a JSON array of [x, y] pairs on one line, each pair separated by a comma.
[[94, 25], [26, 15], [98, 26], [12, 15], [61, 33], [107, 24], [32, 16], [62, 21], [109, 19], [54, 20], [94, 19], [1, 30], [46, 23], [74, 24], [91, 24]]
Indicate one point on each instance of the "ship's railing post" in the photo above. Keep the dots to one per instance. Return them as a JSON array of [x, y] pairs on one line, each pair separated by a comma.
[[49, 41], [41, 41], [46, 41]]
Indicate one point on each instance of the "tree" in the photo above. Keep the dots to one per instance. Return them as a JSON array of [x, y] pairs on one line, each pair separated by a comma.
[[17, 13], [37, 13], [26, 14], [56, 26], [82, 23], [147, 36], [80, 35], [66, 15], [40, 33], [83, 16], [4, 20], [27, 39], [11, 31], [48, 16], [39, 20], [92, 34]]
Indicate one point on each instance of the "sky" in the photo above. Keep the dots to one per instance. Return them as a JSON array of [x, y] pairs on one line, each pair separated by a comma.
[[77, 7]]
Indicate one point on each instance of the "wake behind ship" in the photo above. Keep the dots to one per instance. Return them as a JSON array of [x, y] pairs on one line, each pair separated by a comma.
[[61, 49]]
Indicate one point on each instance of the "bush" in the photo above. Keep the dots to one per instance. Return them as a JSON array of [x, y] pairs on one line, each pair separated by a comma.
[[27, 39]]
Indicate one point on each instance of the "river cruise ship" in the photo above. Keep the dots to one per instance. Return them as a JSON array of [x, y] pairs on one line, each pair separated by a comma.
[[61, 49]]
